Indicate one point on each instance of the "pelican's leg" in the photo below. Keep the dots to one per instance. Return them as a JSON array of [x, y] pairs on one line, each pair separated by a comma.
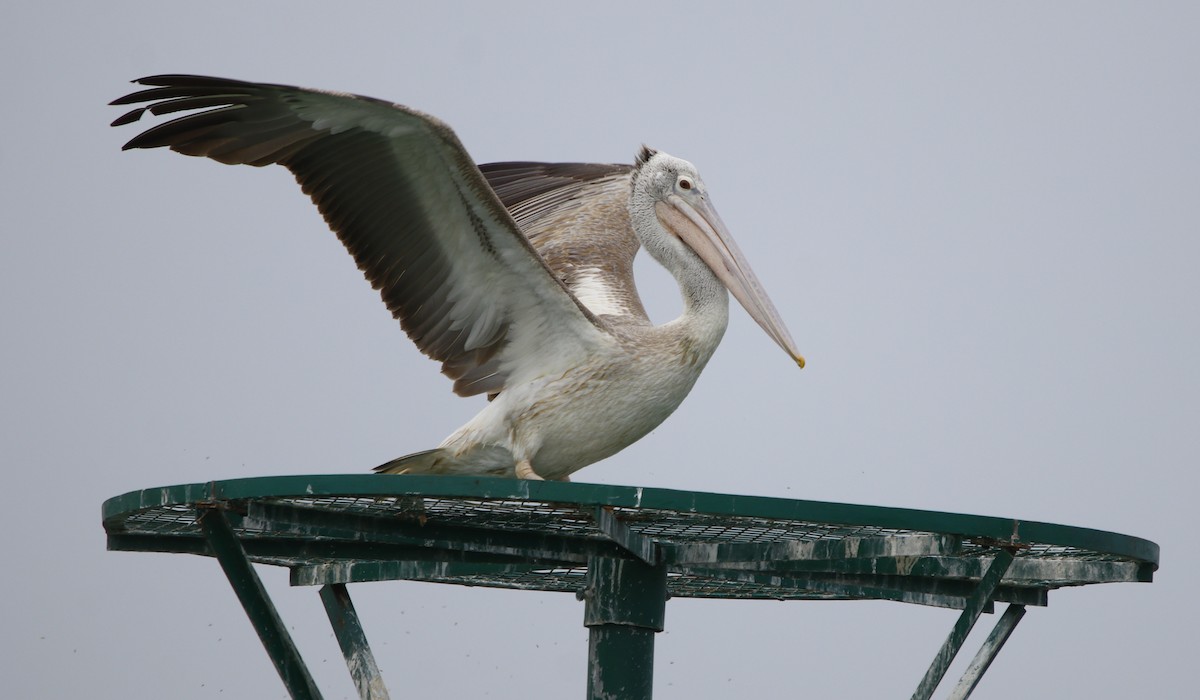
[[525, 470]]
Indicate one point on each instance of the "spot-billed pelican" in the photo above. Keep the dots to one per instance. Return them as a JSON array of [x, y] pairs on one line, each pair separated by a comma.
[[518, 277]]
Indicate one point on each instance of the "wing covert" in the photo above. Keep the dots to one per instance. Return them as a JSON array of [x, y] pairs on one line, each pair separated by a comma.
[[576, 215]]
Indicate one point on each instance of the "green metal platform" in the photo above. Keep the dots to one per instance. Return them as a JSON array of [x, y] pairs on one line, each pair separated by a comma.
[[622, 550]]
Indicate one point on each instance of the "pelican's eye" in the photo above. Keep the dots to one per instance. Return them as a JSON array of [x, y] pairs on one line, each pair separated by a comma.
[[685, 183]]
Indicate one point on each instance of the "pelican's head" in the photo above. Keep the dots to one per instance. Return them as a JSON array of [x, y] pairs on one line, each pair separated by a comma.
[[669, 198]]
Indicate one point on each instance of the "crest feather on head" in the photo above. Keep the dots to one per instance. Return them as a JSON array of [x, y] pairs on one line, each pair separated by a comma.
[[644, 156]]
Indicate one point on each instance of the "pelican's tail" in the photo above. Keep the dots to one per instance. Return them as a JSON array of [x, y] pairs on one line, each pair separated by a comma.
[[484, 461], [435, 461]]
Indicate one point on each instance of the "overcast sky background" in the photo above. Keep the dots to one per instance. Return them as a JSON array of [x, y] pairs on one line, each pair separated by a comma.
[[979, 221]]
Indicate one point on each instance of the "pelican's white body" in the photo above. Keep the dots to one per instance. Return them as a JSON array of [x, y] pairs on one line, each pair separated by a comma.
[[568, 418]]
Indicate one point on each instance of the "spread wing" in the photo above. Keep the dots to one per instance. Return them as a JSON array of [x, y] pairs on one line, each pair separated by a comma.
[[410, 206]]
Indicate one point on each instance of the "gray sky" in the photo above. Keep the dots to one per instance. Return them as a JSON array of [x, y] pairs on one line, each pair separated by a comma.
[[979, 221]]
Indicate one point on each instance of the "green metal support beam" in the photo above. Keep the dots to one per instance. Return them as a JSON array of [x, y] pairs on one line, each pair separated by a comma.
[[286, 550], [903, 589], [1024, 571], [625, 607], [641, 547], [980, 600], [311, 522], [250, 591], [353, 641], [435, 571], [843, 549]]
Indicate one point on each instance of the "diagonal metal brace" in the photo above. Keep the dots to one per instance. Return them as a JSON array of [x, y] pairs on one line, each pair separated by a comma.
[[353, 641], [257, 604], [976, 604], [987, 653]]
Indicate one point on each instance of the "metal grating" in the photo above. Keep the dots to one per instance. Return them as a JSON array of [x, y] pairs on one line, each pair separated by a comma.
[[700, 527], [163, 521]]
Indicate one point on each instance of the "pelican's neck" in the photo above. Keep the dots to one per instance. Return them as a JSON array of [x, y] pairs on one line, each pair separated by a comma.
[[705, 300], [705, 308]]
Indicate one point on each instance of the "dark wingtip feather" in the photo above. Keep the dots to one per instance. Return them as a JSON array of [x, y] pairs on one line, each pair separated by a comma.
[[188, 80], [129, 117]]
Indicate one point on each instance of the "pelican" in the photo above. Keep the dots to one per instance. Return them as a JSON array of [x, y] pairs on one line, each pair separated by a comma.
[[517, 277]]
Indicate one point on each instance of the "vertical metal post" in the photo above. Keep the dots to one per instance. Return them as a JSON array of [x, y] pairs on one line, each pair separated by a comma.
[[987, 653], [626, 602], [258, 607], [353, 641], [974, 608]]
